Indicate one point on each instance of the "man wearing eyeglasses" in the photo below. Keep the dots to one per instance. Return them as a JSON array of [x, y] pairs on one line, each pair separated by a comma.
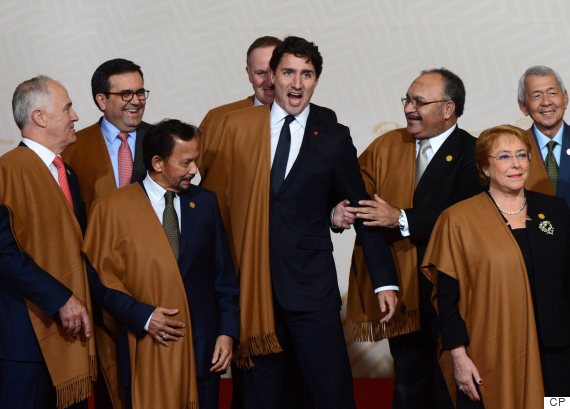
[[108, 154], [542, 96], [414, 173]]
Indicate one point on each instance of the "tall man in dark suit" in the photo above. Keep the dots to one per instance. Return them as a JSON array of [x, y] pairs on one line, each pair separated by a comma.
[[46, 353], [414, 174], [162, 241], [285, 165], [108, 154], [542, 96]]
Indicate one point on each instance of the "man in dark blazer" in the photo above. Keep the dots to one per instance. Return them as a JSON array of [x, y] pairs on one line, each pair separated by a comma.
[[542, 96], [118, 90], [278, 221], [443, 157], [170, 150], [34, 299]]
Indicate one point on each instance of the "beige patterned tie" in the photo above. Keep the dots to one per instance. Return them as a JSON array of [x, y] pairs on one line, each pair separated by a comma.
[[170, 222], [422, 160]]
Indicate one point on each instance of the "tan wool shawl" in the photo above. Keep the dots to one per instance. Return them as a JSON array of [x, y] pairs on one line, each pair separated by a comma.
[[472, 244], [46, 229], [89, 158], [210, 129], [128, 247], [240, 178], [537, 177], [388, 169]]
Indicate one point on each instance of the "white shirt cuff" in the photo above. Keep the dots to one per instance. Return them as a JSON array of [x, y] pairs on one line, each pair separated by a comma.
[[386, 288], [404, 229], [147, 323]]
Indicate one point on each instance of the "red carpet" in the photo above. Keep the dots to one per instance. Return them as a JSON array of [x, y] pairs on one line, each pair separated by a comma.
[[370, 393]]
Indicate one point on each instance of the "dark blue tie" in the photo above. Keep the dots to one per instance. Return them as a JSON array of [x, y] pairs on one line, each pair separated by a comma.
[[281, 155]]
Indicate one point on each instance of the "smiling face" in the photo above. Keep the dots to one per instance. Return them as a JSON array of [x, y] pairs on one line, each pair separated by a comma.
[[507, 176], [177, 171], [59, 116], [295, 81], [259, 74], [432, 119], [545, 103], [125, 115]]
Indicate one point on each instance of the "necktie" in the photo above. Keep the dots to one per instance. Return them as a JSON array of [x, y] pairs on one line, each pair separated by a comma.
[[281, 155], [422, 160], [551, 165], [62, 179], [125, 160], [170, 222]]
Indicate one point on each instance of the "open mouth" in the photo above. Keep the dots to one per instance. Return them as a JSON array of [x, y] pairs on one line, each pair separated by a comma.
[[295, 97]]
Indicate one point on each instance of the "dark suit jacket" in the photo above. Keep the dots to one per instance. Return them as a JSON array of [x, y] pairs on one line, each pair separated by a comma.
[[208, 274], [450, 177], [326, 171], [563, 183], [21, 278]]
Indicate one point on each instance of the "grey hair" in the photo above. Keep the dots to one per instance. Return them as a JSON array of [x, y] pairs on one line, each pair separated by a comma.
[[541, 71], [27, 97]]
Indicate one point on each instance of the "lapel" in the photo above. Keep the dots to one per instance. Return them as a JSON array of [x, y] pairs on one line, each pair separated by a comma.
[[443, 161], [537, 238], [188, 212], [311, 138], [139, 169], [564, 169]]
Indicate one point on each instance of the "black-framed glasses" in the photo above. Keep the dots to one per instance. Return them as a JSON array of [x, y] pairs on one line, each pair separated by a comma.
[[417, 103], [128, 94], [522, 156]]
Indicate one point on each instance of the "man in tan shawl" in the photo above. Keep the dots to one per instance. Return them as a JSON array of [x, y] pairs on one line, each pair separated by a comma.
[[103, 161], [414, 173], [47, 355], [259, 75], [542, 96], [162, 241], [278, 203]]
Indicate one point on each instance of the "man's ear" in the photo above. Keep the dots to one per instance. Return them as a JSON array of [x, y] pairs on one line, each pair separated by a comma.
[[101, 100], [39, 118], [157, 163]]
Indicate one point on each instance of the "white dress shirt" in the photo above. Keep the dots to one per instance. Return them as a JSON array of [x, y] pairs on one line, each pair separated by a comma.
[[297, 128], [45, 155]]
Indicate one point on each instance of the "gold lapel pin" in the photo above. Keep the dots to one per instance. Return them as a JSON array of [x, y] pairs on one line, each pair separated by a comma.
[[192, 205], [68, 172], [449, 158], [540, 216]]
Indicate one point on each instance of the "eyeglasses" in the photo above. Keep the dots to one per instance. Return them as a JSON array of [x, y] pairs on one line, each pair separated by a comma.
[[507, 156], [128, 94], [418, 103]]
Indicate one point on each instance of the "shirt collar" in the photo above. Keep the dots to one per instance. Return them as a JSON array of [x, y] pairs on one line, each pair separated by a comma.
[[542, 139], [44, 153], [438, 140], [110, 131], [154, 190], [278, 114], [257, 102]]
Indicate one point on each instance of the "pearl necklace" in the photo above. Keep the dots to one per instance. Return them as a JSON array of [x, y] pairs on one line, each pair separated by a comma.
[[514, 212]]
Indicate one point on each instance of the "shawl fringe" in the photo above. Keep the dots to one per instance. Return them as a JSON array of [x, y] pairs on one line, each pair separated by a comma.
[[263, 344], [374, 331], [77, 389]]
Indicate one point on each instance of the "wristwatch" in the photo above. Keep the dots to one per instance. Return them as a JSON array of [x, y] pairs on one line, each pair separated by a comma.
[[401, 220]]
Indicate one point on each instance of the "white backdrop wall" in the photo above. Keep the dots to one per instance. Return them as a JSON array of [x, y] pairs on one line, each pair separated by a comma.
[[193, 57]]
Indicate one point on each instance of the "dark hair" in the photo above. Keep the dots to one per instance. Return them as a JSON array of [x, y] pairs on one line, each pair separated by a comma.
[[100, 80], [301, 48], [453, 88], [261, 42], [159, 139], [486, 142]]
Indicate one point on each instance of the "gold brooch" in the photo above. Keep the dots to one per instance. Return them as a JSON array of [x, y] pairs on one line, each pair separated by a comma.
[[192, 205], [449, 158], [541, 216], [546, 227]]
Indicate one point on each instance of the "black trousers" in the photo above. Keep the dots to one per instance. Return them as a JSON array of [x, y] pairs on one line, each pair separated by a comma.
[[419, 382], [27, 385], [314, 345]]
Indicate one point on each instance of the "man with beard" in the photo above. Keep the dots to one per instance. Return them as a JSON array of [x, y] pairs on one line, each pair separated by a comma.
[[108, 154], [162, 241], [414, 174], [542, 96]]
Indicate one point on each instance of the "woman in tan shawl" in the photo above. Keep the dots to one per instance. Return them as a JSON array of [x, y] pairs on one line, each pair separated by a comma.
[[500, 265]]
